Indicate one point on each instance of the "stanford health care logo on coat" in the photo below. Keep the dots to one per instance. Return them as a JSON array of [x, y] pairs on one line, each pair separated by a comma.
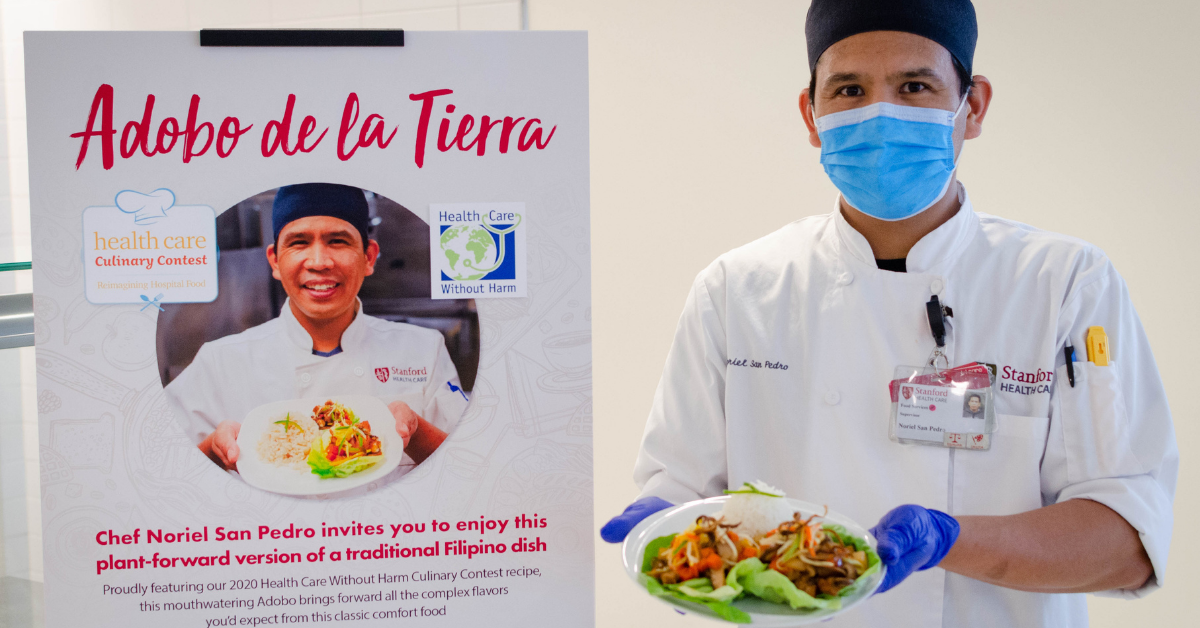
[[477, 250], [401, 374]]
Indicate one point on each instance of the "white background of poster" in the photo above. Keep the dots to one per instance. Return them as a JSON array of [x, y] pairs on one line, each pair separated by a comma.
[[1070, 76], [119, 460]]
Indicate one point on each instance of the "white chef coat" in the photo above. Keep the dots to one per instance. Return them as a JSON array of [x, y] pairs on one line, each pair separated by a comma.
[[810, 297], [274, 361]]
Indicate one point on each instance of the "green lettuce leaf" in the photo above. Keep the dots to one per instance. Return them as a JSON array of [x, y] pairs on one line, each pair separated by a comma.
[[736, 576], [698, 590], [652, 550], [322, 468], [773, 586], [724, 610]]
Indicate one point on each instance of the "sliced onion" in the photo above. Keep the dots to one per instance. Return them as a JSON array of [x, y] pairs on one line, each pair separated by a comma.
[[818, 563]]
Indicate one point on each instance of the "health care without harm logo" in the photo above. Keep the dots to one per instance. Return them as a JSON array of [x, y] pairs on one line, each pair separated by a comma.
[[384, 373]]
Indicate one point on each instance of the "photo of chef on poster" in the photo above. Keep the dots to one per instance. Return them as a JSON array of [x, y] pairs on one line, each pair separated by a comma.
[[321, 343], [313, 329]]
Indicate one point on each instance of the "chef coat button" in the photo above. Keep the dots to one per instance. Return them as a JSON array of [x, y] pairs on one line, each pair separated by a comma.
[[305, 378], [845, 279], [832, 398], [936, 286], [358, 371]]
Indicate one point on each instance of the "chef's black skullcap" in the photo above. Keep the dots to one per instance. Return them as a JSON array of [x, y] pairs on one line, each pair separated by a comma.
[[950, 23], [293, 202]]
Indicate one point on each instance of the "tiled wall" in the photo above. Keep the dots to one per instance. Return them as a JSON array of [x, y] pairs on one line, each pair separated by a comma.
[[19, 475]]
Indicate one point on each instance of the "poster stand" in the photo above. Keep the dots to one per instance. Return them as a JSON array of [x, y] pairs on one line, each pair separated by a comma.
[[439, 197], [301, 37]]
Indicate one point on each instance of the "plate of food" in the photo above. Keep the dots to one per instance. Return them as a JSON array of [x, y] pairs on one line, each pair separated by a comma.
[[754, 556], [318, 445]]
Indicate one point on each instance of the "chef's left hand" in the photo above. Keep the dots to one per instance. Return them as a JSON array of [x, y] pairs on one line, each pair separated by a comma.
[[407, 421], [912, 538]]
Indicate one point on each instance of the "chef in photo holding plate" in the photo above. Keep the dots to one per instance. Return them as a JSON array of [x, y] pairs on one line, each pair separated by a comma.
[[786, 349], [321, 344]]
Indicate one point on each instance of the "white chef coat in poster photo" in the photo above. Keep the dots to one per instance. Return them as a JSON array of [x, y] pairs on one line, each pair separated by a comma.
[[275, 361]]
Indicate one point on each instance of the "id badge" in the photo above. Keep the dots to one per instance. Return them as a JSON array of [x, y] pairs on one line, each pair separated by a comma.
[[944, 407]]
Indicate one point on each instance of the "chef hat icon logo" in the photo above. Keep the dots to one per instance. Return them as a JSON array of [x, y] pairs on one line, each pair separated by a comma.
[[147, 209]]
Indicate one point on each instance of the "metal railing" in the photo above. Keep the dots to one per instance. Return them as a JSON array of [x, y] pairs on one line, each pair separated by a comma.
[[16, 313]]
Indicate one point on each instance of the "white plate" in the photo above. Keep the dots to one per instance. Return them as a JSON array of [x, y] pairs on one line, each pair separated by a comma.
[[762, 613], [301, 481]]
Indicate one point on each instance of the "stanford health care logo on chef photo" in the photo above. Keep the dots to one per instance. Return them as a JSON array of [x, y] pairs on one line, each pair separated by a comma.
[[477, 250], [397, 373]]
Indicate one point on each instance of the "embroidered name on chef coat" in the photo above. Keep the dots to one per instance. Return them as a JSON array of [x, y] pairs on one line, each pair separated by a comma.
[[755, 364]]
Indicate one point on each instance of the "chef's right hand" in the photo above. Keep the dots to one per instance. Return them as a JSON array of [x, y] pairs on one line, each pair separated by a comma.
[[619, 526], [407, 421], [221, 446]]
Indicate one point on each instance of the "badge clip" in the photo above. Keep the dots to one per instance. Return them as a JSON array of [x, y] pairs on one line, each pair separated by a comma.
[[937, 326]]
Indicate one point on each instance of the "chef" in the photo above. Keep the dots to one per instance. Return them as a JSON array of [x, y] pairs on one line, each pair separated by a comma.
[[1072, 492], [322, 344]]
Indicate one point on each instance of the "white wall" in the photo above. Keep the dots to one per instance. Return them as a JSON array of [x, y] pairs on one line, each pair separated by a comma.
[[698, 147], [19, 471]]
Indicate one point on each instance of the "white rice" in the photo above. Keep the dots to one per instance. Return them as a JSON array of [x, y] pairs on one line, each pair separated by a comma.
[[288, 447], [755, 514]]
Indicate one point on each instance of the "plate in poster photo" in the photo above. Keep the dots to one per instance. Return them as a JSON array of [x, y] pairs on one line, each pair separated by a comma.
[[762, 613], [299, 480]]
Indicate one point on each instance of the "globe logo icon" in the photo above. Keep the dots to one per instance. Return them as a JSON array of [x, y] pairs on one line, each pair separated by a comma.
[[471, 252]]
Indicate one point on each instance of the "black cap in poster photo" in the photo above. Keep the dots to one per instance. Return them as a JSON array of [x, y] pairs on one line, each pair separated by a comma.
[[293, 202]]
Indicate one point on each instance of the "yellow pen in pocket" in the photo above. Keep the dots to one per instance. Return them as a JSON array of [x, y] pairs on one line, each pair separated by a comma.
[[1097, 346]]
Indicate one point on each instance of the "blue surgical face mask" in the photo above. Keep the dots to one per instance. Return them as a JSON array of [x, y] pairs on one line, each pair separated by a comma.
[[889, 161]]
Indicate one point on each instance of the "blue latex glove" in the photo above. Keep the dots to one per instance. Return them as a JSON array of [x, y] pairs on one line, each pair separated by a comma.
[[912, 538], [619, 526]]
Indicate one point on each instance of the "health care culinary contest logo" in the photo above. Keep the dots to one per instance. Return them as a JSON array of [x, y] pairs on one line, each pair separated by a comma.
[[477, 250], [147, 250]]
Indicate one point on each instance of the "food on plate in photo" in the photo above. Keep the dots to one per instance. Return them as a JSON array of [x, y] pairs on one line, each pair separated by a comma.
[[345, 445], [287, 441], [334, 442], [804, 562]]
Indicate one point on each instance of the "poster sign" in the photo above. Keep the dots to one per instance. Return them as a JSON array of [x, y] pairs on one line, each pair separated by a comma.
[[313, 330]]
